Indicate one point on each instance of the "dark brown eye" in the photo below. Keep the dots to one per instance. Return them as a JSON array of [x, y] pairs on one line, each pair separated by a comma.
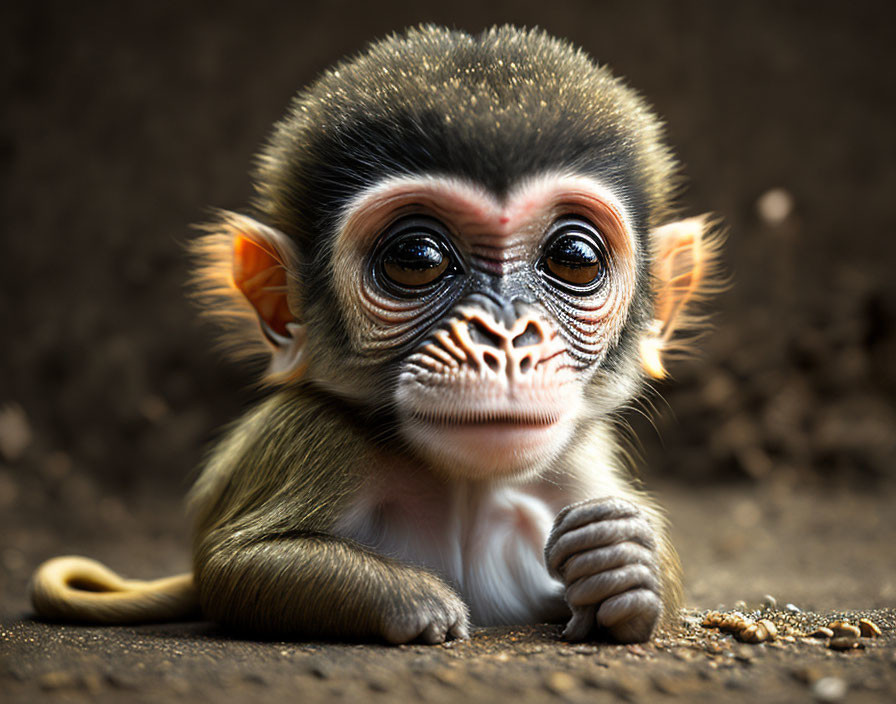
[[415, 260], [576, 257]]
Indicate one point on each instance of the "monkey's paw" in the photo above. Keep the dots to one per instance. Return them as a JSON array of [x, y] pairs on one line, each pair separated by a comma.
[[431, 613], [605, 553]]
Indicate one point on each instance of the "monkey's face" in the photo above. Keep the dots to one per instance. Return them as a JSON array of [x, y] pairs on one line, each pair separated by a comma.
[[494, 312], [469, 236]]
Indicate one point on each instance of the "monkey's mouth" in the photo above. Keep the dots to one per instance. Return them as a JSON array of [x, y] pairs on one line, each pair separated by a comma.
[[483, 442], [478, 418]]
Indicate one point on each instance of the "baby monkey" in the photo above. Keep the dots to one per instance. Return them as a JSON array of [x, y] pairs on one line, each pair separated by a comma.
[[462, 262]]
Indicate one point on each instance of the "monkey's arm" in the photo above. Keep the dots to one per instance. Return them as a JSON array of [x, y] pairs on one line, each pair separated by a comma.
[[323, 586], [266, 558]]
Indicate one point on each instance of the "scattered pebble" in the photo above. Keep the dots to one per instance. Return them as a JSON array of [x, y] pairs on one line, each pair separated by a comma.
[[753, 633], [743, 628], [844, 628], [868, 628], [822, 632], [769, 602], [844, 643], [829, 689], [711, 620], [793, 608], [770, 628], [561, 682]]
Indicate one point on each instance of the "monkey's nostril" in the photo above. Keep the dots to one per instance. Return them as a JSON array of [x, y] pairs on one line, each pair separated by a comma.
[[493, 363], [481, 335], [530, 336], [525, 364]]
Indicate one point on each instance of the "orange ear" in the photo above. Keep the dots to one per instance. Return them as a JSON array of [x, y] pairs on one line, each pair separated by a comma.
[[260, 273], [685, 271], [242, 281]]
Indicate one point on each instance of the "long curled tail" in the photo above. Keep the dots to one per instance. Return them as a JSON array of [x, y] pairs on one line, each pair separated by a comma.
[[78, 589]]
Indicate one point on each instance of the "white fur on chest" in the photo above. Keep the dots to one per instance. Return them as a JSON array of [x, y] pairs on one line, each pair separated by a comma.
[[485, 540]]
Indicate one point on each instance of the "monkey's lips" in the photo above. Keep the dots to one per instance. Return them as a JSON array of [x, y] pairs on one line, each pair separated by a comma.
[[505, 434], [486, 418], [482, 443]]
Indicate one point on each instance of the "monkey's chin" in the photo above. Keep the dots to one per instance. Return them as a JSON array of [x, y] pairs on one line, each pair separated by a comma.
[[490, 449]]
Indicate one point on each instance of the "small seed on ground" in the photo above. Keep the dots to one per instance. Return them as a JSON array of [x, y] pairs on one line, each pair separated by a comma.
[[844, 643], [770, 628], [829, 689], [822, 632], [754, 633], [844, 628], [733, 623], [869, 628], [561, 682], [712, 619]]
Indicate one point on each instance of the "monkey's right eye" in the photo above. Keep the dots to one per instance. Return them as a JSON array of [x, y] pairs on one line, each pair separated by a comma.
[[415, 257]]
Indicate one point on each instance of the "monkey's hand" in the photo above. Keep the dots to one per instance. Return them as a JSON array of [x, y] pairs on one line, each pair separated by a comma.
[[423, 609], [605, 553]]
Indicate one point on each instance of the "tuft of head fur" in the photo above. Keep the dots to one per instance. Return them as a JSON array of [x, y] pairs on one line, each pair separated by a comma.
[[493, 108]]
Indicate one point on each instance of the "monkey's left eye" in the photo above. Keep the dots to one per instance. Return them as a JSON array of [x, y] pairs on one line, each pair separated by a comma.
[[415, 256], [576, 257]]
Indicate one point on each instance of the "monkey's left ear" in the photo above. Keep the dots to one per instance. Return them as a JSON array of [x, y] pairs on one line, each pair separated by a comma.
[[242, 281], [685, 271]]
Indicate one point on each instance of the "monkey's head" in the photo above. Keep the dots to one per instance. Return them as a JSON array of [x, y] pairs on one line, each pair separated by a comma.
[[468, 235]]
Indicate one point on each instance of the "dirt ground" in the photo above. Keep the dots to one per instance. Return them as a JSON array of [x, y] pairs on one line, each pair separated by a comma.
[[827, 552], [776, 449]]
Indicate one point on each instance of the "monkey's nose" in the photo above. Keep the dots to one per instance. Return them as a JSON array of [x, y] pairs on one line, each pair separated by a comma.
[[484, 334], [499, 350]]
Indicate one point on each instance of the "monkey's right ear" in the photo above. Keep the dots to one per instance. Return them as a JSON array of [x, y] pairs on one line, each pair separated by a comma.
[[242, 282], [685, 271]]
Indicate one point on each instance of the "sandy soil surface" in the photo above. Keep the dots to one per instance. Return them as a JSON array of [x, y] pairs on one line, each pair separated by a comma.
[[826, 551]]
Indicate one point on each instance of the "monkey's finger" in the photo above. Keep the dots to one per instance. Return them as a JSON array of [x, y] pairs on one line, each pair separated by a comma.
[[593, 510], [581, 624], [459, 629], [631, 616], [434, 633], [602, 559], [561, 547], [598, 587]]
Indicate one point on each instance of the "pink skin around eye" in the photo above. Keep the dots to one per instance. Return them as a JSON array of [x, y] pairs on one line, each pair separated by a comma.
[[496, 235], [492, 228]]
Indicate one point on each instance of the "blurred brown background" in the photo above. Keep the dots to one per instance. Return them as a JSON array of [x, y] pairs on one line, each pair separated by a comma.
[[121, 126]]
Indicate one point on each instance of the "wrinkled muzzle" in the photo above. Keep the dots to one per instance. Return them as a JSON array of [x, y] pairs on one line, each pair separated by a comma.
[[489, 396]]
